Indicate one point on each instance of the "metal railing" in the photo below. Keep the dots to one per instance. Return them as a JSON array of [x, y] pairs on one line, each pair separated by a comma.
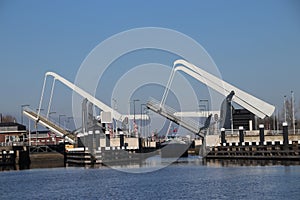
[[168, 112], [50, 123], [7, 144]]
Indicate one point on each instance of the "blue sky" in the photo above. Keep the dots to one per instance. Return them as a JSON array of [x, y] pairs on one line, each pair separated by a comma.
[[255, 44]]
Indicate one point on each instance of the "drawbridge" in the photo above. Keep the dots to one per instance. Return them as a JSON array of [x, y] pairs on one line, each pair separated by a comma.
[[59, 130], [169, 113], [44, 121], [249, 102]]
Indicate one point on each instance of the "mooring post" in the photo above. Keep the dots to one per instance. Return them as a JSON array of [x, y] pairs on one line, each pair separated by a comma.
[[223, 140], [285, 133], [121, 139], [241, 134], [261, 134], [107, 139]]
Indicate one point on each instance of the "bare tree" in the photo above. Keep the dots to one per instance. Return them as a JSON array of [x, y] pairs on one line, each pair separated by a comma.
[[8, 118], [287, 112]]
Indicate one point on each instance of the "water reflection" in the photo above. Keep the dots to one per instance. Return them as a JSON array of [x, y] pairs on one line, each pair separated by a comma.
[[156, 162], [247, 162]]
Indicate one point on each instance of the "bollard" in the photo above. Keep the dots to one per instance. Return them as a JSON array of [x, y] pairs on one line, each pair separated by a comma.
[[223, 140], [285, 133], [241, 134], [107, 139], [261, 134], [121, 139]]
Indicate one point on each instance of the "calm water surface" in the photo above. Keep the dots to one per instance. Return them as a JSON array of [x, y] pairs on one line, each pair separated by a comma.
[[182, 180]]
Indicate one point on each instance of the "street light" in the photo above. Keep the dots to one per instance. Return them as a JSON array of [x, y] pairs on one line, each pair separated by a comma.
[[115, 121], [146, 111], [51, 113], [39, 109], [134, 113], [293, 110], [68, 120], [22, 108], [141, 124], [59, 116], [284, 107]]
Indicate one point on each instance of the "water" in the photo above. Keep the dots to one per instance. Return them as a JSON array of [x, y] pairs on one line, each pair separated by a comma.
[[186, 179]]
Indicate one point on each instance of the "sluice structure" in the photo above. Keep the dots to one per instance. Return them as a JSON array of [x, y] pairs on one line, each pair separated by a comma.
[[275, 147]]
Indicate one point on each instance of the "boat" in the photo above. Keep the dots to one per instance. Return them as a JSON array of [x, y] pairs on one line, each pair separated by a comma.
[[174, 147]]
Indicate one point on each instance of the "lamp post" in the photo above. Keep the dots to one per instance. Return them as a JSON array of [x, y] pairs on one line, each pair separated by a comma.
[[284, 107], [50, 113], [134, 113], [141, 124], [293, 110], [68, 120], [38, 110], [146, 111], [22, 108], [114, 109], [59, 116]]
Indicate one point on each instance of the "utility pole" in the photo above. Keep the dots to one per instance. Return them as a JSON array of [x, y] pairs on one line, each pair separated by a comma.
[[59, 116], [134, 124], [284, 107], [22, 108], [293, 110]]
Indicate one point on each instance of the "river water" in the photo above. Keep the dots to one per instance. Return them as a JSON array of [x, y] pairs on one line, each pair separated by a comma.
[[186, 179]]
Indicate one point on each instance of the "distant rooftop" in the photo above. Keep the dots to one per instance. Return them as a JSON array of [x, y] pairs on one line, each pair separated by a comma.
[[11, 126]]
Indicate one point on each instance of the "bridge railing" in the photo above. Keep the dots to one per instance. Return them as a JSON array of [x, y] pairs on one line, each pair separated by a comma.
[[52, 125], [56, 123], [192, 124]]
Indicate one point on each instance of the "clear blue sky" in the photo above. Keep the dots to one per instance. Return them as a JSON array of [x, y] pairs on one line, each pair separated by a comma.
[[255, 44]]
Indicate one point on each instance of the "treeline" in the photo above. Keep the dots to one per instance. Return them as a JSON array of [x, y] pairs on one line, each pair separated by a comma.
[[7, 118]]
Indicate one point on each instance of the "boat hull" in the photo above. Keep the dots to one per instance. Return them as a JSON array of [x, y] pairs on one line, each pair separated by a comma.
[[174, 150]]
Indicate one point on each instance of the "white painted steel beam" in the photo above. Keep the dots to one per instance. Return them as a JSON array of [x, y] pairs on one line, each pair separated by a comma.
[[196, 113], [249, 102], [116, 115]]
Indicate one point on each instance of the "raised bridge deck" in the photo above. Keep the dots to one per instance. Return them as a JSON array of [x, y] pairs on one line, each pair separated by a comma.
[[50, 125], [169, 112]]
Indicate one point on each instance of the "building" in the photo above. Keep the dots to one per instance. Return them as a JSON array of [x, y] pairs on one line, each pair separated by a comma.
[[12, 134], [244, 118], [44, 137]]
